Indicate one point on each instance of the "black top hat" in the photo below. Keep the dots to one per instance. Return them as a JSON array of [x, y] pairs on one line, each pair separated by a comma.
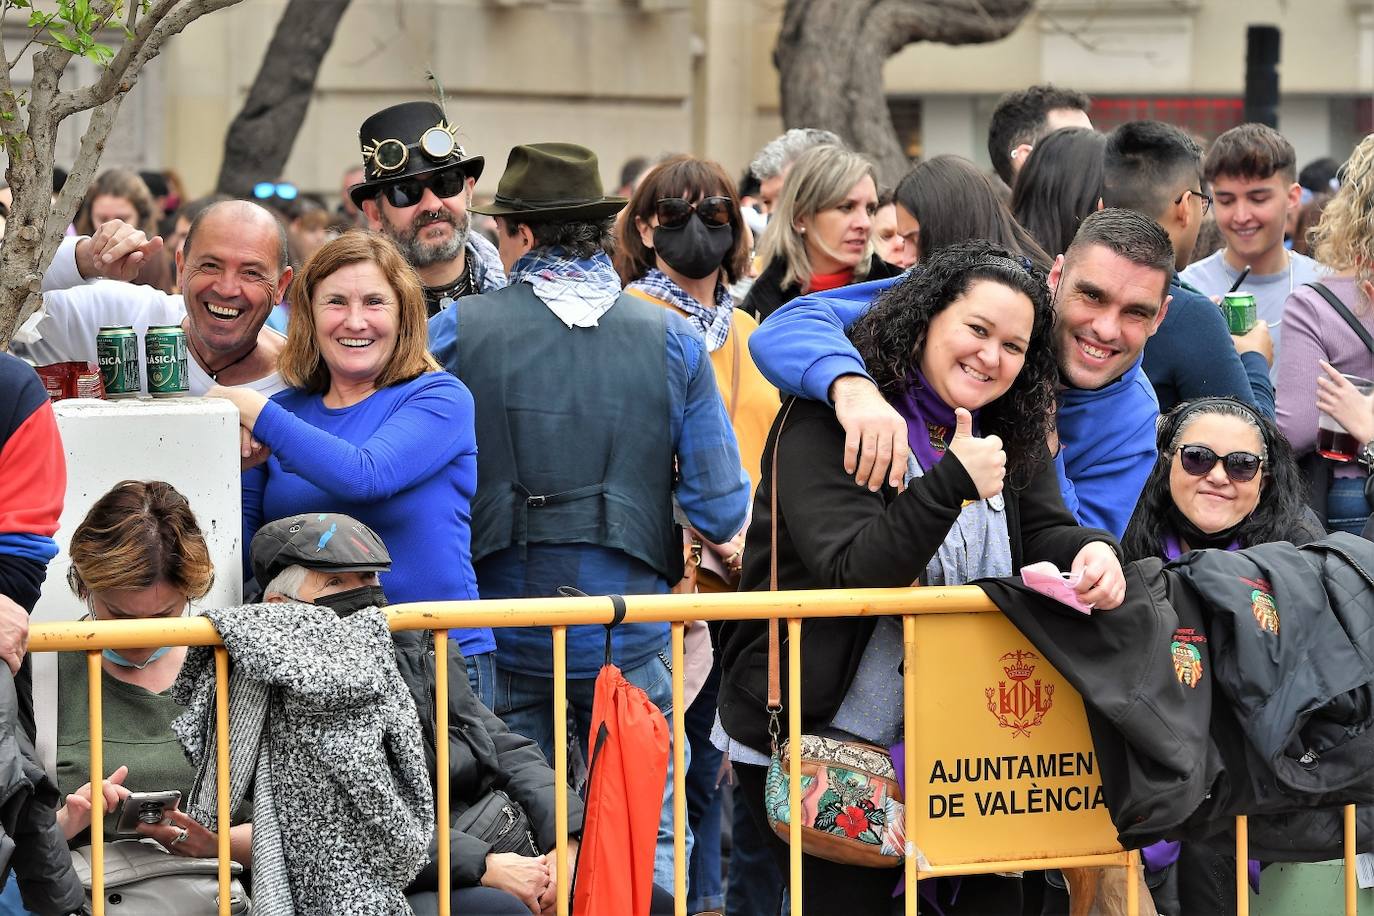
[[558, 182], [405, 141], [323, 541]]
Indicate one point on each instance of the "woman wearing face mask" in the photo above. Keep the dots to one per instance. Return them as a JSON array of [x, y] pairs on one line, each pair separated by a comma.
[[1225, 478], [682, 243], [372, 427], [137, 555], [820, 236]]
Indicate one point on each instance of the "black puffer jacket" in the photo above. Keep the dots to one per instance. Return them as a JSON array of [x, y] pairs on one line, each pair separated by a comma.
[[482, 755], [1279, 716], [31, 845]]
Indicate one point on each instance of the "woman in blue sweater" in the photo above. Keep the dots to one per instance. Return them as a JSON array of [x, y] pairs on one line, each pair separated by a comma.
[[370, 427]]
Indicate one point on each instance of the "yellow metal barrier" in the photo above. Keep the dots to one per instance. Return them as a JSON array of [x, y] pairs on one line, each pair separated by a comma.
[[559, 613]]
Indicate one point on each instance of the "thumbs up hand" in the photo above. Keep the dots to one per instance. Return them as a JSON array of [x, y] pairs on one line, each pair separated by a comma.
[[982, 458]]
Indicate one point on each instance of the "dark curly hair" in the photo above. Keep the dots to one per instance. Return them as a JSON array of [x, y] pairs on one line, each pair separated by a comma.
[[1278, 516], [891, 339]]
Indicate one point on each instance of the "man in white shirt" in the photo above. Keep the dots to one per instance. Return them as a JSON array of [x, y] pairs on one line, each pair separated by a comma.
[[232, 270], [1252, 171]]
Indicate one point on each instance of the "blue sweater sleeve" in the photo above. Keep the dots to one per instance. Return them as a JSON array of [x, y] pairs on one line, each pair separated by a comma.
[[254, 482], [802, 348], [1261, 385], [712, 488], [426, 431]]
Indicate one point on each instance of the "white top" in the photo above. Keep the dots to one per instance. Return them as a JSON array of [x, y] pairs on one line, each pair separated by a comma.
[[74, 310]]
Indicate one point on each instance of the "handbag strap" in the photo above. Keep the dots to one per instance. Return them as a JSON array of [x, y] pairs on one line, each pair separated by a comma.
[[1345, 313], [774, 706], [735, 374]]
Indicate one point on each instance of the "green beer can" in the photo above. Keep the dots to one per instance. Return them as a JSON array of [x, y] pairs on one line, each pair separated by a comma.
[[166, 358], [1239, 309], [116, 351]]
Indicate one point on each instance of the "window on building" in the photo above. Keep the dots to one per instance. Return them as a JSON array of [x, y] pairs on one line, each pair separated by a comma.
[[1204, 118]]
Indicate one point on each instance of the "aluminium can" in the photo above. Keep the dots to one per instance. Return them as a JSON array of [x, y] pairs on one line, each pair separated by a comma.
[[1239, 309], [165, 349], [116, 350]]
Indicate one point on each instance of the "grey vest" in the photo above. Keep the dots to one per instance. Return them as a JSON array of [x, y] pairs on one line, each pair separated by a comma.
[[573, 438]]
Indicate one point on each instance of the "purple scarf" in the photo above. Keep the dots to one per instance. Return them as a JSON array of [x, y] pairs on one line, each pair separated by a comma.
[[1173, 549], [929, 420]]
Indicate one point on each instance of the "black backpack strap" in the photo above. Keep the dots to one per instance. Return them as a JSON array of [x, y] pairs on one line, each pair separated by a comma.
[[1345, 314]]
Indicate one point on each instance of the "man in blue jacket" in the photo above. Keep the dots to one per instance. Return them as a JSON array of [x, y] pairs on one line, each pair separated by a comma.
[[1111, 292]]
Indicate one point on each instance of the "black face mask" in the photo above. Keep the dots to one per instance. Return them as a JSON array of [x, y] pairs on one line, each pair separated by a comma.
[[694, 249], [353, 600], [1195, 537]]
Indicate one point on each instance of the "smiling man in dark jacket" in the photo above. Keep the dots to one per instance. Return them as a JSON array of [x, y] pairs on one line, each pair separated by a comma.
[[332, 560]]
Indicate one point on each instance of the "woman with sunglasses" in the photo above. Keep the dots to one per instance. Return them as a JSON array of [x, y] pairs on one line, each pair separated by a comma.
[[820, 236], [137, 555], [1225, 478], [683, 242]]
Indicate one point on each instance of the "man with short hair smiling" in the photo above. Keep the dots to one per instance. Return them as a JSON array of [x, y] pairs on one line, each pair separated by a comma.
[[416, 190], [1111, 292], [232, 271], [1252, 170]]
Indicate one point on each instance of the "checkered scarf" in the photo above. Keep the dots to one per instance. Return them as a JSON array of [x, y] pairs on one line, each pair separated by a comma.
[[578, 290], [713, 322]]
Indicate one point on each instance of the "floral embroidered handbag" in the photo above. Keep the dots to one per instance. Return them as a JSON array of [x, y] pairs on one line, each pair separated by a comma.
[[851, 805]]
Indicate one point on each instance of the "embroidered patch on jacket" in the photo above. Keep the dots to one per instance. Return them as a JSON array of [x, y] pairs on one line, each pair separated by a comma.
[[1186, 655], [937, 435], [1262, 605]]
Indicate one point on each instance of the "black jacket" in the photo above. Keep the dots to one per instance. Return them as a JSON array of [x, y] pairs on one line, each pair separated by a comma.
[[1266, 723], [32, 847], [482, 754], [833, 533], [767, 293]]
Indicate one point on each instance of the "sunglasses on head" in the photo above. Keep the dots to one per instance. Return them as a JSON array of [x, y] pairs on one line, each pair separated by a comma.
[[1199, 460], [407, 192], [673, 212]]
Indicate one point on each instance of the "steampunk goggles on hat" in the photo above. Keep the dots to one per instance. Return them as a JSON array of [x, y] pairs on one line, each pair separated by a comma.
[[438, 144]]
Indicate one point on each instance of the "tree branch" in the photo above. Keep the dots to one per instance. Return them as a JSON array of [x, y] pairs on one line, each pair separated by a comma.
[[82, 173]]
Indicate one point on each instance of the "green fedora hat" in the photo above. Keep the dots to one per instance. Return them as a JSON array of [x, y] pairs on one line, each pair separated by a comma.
[[557, 182]]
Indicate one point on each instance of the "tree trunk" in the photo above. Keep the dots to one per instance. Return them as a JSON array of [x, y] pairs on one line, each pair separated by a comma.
[[830, 57], [260, 138]]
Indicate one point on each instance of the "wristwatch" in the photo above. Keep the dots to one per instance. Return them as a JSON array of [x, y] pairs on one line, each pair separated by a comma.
[[1365, 456]]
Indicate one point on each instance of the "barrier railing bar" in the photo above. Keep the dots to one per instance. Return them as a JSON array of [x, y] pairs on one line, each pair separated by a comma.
[[1352, 904], [1103, 860], [560, 761], [1133, 882], [909, 763], [97, 730], [1242, 866], [442, 802], [679, 773], [222, 814], [794, 731]]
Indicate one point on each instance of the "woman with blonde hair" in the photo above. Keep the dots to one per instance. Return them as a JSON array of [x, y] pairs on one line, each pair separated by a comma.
[[139, 554], [370, 427], [820, 236], [1321, 347]]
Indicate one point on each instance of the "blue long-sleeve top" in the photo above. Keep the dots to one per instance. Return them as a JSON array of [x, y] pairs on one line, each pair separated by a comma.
[[403, 462], [1106, 436], [712, 492], [1192, 355]]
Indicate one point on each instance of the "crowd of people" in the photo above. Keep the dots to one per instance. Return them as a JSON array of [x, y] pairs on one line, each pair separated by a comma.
[[804, 380]]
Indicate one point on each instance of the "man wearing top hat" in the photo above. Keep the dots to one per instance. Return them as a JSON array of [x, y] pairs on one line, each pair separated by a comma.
[[594, 410], [416, 189]]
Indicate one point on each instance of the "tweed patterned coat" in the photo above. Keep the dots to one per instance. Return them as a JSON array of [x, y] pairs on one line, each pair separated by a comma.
[[324, 731]]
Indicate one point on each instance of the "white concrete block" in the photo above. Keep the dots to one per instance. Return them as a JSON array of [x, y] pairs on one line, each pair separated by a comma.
[[191, 443]]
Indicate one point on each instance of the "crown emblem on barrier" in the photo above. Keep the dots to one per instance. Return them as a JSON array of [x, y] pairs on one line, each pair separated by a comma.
[[1018, 670], [1020, 703]]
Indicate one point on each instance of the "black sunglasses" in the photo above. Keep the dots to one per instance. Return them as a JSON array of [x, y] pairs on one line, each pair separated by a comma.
[[673, 212], [407, 192], [1199, 460]]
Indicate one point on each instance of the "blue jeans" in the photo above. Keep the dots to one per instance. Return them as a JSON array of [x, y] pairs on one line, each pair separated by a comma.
[[1346, 508], [704, 888], [525, 703], [482, 677]]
